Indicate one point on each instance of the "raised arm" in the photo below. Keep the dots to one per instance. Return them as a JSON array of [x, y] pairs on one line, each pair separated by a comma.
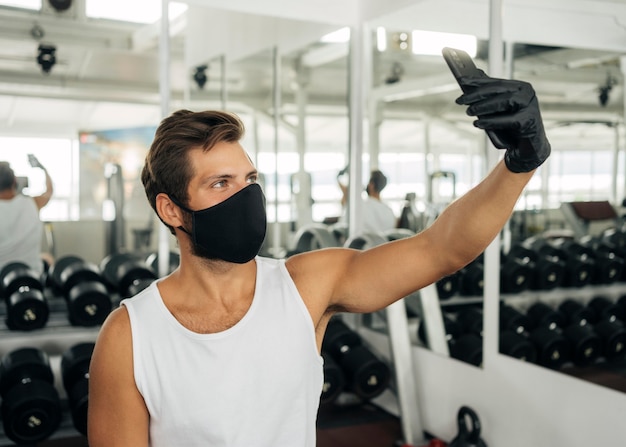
[[354, 281], [117, 414], [43, 199]]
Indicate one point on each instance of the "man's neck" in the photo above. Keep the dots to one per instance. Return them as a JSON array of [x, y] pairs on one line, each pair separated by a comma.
[[7, 194]]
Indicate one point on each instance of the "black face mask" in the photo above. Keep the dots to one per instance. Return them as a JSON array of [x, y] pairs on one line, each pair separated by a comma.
[[232, 230]]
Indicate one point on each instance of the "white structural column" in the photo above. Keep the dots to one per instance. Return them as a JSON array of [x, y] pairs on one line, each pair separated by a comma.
[[164, 91], [491, 292]]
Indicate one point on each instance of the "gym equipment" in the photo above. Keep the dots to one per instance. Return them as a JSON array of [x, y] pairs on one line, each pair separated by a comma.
[[153, 262], [448, 286], [75, 375], [553, 349], [451, 328], [468, 348], [575, 312], [126, 273], [613, 336], [603, 308], [467, 436], [365, 375], [542, 315], [312, 237], [516, 274], [548, 270], [513, 320], [31, 407], [586, 344], [579, 265], [609, 265], [22, 290], [514, 344], [334, 381], [470, 319], [84, 290], [473, 278]]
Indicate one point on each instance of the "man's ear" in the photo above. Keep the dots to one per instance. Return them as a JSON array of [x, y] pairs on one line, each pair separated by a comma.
[[168, 211]]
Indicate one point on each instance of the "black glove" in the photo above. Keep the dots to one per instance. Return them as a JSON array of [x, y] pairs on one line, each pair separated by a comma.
[[509, 111]]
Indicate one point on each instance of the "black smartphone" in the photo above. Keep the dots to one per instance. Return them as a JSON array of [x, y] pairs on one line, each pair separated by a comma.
[[462, 64]]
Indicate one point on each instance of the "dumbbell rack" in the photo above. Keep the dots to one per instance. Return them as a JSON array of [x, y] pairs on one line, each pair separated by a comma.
[[54, 339]]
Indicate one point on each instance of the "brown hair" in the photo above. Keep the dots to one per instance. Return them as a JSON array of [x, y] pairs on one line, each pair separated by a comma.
[[7, 176], [166, 169]]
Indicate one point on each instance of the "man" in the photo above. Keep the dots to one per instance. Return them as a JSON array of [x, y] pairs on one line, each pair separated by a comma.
[[377, 216], [225, 351], [21, 230]]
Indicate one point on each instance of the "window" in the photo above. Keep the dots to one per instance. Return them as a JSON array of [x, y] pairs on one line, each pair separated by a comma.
[[138, 11], [60, 157]]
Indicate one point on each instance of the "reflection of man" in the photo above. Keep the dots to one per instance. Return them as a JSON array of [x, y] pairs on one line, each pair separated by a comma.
[[377, 215], [20, 227]]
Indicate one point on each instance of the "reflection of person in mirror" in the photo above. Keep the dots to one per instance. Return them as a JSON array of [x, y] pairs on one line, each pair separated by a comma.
[[226, 349], [377, 215], [21, 230]]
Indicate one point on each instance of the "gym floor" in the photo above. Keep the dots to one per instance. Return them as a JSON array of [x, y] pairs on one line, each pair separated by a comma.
[[359, 426]]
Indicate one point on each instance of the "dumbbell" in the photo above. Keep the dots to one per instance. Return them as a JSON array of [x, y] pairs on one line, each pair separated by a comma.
[[548, 270], [516, 345], [173, 261], [75, 374], [448, 286], [513, 320], [609, 266], [334, 381], [470, 319], [82, 286], [602, 308], [586, 344], [580, 265], [366, 375], [553, 349], [451, 328], [22, 289], [126, 273], [31, 407], [472, 278], [468, 348], [613, 336], [516, 274]]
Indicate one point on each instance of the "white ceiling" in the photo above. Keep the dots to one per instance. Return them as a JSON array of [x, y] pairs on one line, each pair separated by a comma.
[[107, 73]]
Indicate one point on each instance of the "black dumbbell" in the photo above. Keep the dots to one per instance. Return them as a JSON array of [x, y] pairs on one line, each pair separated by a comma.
[[585, 343], [542, 315], [602, 308], [579, 264], [575, 313], [22, 289], [517, 345], [470, 319], [467, 348], [516, 274], [31, 407], [334, 381], [83, 287], [472, 278], [553, 349], [513, 320], [365, 374], [547, 270], [451, 328], [75, 374], [126, 273], [609, 266], [613, 336], [448, 286]]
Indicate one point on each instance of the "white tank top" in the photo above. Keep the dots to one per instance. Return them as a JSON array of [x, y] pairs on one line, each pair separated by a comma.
[[257, 383], [21, 232]]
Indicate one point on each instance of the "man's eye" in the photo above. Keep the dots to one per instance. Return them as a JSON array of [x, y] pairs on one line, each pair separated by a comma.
[[252, 179]]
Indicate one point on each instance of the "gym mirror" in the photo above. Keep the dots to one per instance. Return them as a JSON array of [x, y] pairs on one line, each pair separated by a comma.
[[563, 278]]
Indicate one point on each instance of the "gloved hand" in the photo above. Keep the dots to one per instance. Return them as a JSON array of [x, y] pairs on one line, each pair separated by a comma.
[[509, 111]]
